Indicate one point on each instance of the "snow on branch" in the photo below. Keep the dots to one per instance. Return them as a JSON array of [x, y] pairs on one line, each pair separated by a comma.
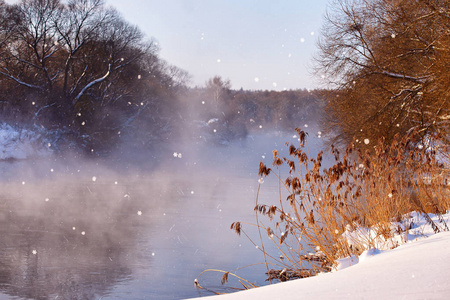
[[32, 86], [92, 83]]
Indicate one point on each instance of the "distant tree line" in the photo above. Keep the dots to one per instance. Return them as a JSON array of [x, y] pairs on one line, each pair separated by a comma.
[[78, 65], [387, 65], [226, 114]]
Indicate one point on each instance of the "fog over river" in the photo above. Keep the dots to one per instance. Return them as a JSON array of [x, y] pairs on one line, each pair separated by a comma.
[[98, 230]]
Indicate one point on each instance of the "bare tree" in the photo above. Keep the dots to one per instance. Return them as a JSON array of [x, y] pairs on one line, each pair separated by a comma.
[[386, 62], [77, 62]]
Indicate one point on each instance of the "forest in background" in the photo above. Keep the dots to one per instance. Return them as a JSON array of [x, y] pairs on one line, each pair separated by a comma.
[[80, 71]]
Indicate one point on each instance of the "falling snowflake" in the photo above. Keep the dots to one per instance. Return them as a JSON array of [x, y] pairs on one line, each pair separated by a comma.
[[192, 192], [116, 183], [306, 125], [83, 123], [393, 35], [260, 126], [366, 141], [83, 233], [46, 199], [73, 228], [302, 40], [23, 182], [34, 252], [256, 79], [261, 181], [49, 145], [139, 77], [219, 60], [94, 179], [51, 170], [274, 84], [153, 253], [139, 213]]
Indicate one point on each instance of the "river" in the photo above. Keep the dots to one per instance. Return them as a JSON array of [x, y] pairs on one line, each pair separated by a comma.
[[72, 229]]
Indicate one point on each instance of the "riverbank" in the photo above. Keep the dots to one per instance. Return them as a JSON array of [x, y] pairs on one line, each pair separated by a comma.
[[418, 269]]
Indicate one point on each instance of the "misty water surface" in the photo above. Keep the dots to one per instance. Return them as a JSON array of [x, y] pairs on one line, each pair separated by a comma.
[[97, 230]]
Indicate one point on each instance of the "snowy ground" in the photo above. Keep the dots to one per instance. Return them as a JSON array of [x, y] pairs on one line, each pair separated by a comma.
[[418, 269], [23, 143]]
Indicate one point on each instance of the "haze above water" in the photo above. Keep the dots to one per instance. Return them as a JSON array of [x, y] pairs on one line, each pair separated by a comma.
[[89, 230]]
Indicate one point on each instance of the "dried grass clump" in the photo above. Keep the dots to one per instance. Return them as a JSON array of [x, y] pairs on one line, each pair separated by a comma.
[[362, 189]]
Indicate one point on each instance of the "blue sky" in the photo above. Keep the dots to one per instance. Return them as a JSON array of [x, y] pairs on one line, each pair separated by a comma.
[[256, 44]]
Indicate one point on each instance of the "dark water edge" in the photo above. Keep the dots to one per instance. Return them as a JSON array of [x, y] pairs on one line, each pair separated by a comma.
[[88, 230]]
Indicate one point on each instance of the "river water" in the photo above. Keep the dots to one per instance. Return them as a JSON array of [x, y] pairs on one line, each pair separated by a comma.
[[91, 230]]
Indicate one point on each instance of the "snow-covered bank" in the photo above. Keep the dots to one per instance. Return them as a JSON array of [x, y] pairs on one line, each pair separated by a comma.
[[419, 269], [23, 143]]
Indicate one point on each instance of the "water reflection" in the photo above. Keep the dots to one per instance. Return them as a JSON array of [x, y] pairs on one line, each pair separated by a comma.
[[85, 231]]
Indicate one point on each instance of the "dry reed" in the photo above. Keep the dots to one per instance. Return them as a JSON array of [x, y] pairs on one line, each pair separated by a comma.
[[369, 188]]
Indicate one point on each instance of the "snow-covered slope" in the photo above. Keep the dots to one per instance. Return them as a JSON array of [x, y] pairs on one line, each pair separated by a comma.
[[21, 143], [419, 269]]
